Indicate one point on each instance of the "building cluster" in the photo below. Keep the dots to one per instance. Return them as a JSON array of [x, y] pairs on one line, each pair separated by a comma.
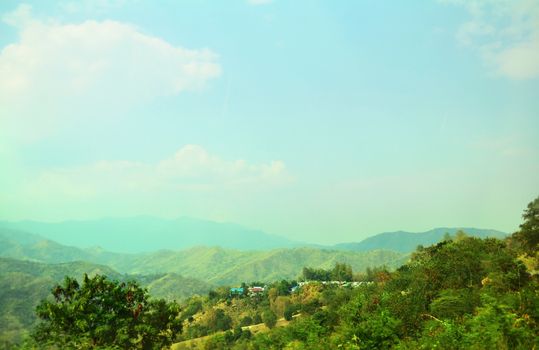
[[256, 290], [251, 291]]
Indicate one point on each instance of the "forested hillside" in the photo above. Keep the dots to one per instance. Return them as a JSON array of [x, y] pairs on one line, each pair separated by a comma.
[[214, 265], [224, 266]]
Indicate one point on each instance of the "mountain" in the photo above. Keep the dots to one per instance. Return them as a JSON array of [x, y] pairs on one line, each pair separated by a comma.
[[145, 234], [214, 265], [407, 242], [226, 266], [23, 245]]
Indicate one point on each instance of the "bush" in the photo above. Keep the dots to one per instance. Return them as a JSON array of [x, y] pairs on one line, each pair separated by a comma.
[[246, 321], [269, 318]]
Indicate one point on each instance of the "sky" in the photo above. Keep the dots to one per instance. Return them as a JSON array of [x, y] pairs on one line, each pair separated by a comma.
[[321, 121]]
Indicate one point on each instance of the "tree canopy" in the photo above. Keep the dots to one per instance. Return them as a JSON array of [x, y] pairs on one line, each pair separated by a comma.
[[529, 230], [103, 313]]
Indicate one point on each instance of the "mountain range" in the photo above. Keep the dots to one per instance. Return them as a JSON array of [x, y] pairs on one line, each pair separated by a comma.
[[407, 242], [214, 265], [143, 234]]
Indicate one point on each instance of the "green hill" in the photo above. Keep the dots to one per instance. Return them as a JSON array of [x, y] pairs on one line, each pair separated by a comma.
[[226, 266], [213, 265]]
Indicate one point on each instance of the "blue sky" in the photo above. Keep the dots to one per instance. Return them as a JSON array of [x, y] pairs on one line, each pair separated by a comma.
[[321, 121]]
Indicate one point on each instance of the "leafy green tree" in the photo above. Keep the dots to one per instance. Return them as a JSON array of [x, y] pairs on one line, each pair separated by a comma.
[[102, 313], [193, 306], [283, 287], [269, 318], [440, 334], [497, 327], [218, 320], [290, 310], [341, 272], [454, 303], [257, 319], [312, 274], [529, 230], [246, 321]]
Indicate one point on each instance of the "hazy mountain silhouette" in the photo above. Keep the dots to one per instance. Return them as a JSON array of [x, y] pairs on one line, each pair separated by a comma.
[[407, 242], [145, 234]]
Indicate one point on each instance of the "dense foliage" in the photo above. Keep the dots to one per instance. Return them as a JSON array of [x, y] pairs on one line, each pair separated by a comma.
[[528, 235], [101, 313], [462, 293], [340, 272]]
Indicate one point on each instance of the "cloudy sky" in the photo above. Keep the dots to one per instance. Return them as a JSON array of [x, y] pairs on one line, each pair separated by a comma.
[[321, 121]]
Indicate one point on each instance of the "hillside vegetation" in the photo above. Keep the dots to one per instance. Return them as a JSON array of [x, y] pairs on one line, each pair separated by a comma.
[[214, 265], [461, 293], [224, 266]]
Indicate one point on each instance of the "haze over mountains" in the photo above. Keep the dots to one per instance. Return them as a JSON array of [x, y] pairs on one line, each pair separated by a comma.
[[216, 253], [406, 242], [147, 234], [214, 265]]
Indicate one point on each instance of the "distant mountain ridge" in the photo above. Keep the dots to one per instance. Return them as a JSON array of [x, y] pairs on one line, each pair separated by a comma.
[[145, 234], [218, 265], [407, 242], [214, 265], [226, 266]]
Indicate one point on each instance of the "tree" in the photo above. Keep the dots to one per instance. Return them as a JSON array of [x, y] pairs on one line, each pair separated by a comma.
[[528, 235], [246, 321], [269, 318], [218, 320], [105, 313], [312, 274], [257, 319], [342, 272]]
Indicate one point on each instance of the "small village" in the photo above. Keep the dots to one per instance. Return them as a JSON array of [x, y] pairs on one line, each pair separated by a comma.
[[296, 286]]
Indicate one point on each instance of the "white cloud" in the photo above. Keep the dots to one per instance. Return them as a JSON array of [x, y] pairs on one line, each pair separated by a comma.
[[19, 17], [56, 72], [505, 33], [190, 169]]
